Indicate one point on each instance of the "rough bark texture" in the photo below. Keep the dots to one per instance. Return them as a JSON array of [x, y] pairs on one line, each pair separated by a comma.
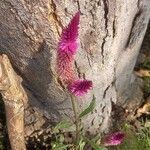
[[15, 99], [111, 33]]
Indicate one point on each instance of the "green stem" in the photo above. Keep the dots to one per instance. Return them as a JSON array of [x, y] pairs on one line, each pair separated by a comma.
[[73, 100]]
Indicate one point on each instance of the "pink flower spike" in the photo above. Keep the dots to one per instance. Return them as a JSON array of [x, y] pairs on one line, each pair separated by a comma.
[[114, 139], [65, 67], [80, 87], [68, 41]]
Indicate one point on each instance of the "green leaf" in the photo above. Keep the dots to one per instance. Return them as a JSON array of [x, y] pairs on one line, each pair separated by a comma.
[[81, 143], [97, 147], [94, 145], [63, 125], [89, 109], [60, 146]]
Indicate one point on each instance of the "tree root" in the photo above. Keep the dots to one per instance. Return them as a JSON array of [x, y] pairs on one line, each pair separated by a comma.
[[15, 99]]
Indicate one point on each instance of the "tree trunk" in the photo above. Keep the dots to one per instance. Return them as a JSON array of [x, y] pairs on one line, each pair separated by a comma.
[[111, 33]]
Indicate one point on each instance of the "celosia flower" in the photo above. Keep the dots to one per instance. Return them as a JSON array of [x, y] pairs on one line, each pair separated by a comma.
[[68, 41], [80, 87], [66, 50], [113, 139]]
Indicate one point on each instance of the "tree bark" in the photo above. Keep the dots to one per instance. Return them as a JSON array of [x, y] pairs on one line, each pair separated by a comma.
[[111, 33]]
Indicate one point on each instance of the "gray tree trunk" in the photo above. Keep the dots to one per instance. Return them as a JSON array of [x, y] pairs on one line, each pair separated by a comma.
[[111, 33]]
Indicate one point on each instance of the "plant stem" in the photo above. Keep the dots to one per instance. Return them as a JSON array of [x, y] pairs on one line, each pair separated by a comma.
[[73, 100]]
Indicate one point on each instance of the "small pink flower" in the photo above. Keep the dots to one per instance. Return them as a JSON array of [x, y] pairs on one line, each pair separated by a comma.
[[80, 87], [113, 139]]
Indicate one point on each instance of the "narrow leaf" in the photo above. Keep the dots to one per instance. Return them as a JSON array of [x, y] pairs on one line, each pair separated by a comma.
[[94, 145], [63, 125], [60, 146], [97, 147], [81, 143], [90, 108]]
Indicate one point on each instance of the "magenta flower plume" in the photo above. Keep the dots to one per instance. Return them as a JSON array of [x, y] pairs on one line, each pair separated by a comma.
[[114, 139], [66, 50], [68, 42], [80, 87]]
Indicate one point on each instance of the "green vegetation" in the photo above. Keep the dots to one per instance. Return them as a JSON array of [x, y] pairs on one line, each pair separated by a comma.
[[136, 139], [81, 140]]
